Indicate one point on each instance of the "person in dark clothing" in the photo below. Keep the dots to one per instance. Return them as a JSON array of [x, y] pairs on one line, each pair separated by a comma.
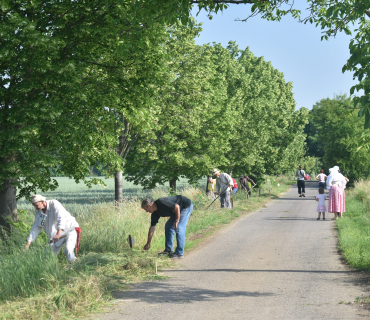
[[179, 209], [244, 183], [300, 182]]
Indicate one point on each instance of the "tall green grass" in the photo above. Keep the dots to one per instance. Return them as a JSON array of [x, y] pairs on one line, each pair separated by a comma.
[[354, 227], [25, 273]]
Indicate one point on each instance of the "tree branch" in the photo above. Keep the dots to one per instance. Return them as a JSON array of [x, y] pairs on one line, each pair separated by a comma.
[[233, 2]]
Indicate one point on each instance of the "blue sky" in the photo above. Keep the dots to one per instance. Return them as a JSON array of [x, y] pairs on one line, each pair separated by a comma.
[[295, 49]]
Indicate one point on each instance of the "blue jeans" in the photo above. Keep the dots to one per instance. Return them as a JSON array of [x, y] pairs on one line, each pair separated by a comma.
[[322, 185], [180, 231]]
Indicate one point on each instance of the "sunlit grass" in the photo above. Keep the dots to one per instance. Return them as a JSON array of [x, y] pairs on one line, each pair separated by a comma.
[[354, 227]]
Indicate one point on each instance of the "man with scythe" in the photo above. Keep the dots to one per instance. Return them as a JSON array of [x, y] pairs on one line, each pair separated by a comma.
[[223, 186], [244, 183], [58, 224]]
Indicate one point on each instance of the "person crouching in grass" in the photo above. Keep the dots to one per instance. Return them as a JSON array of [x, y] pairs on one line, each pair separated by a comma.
[[179, 209]]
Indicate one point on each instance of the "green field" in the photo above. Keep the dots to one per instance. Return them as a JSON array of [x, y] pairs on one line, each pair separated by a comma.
[[79, 199]]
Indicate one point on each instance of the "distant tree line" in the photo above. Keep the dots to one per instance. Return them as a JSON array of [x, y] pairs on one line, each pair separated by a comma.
[[335, 136]]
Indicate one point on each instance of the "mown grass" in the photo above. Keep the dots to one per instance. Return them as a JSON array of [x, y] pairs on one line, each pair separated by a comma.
[[354, 227], [34, 284]]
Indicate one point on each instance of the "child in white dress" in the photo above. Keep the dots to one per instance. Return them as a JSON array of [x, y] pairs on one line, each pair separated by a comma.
[[321, 205]]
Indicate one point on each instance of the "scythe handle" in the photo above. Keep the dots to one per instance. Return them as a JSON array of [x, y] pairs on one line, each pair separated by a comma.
[[218, 197]]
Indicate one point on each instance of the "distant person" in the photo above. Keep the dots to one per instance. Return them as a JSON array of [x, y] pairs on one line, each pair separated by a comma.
[[321, 177], [321, 208], [300, 182], [223, 186], [336, 184], [235, 186], [178, 209], [214, 188], [246, 183], [57, 223], [210, 187]]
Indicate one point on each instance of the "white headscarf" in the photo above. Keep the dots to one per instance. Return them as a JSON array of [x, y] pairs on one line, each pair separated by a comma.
[[329, 178], [335, 177]]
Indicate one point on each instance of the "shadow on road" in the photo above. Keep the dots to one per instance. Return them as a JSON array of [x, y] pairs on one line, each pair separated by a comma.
[[165, 292], [300, 199], [296, 218], [268, 270]]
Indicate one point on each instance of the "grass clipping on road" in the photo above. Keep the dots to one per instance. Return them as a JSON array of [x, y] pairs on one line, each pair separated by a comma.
[[35, 284]]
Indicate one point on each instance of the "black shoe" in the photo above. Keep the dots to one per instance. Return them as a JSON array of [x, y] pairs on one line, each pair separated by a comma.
[[323, 218], [303, 195], [318, 219], [165, 253], [300, 195], [175, 256]]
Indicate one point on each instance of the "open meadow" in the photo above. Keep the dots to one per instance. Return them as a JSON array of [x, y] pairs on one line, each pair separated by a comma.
[[79, 199]]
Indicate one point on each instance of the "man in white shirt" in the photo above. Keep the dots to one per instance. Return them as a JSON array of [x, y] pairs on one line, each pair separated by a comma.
[[57, 223], [223, 186]]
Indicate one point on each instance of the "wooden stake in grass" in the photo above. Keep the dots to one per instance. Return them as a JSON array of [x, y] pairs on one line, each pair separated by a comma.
[[131, 241]]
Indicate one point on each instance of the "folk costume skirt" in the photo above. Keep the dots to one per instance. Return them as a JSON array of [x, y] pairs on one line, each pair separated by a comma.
[[337, 199]]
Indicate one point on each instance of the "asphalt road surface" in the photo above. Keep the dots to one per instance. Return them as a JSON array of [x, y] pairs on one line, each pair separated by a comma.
[[276, 263]]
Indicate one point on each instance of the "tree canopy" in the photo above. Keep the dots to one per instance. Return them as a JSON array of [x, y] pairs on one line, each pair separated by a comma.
[[332, 17], [338, 132], [81, 80], [64, 66], [226, 108]]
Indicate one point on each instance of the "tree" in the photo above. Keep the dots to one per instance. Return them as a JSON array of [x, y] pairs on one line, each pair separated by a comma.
[[191, 122], [295, 152], [64, 66], [244, 123], [340, 133], [265, 119], [332, 17]]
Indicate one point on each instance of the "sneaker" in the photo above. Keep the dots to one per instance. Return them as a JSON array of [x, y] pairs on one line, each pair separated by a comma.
[[300, 195], [165, 253], [318, 219], [175, 256], [303, 195], [323, 218]]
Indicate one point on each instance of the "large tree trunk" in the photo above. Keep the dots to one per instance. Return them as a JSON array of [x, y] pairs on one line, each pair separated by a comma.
[[173, 184], [8, 203], [126, 140], [118, 187]]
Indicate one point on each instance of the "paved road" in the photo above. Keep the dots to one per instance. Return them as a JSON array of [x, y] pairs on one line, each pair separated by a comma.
[[276, 263]]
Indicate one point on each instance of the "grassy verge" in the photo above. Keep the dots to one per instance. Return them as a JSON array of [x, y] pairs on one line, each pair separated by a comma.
[[354, 227], [36, 285]]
